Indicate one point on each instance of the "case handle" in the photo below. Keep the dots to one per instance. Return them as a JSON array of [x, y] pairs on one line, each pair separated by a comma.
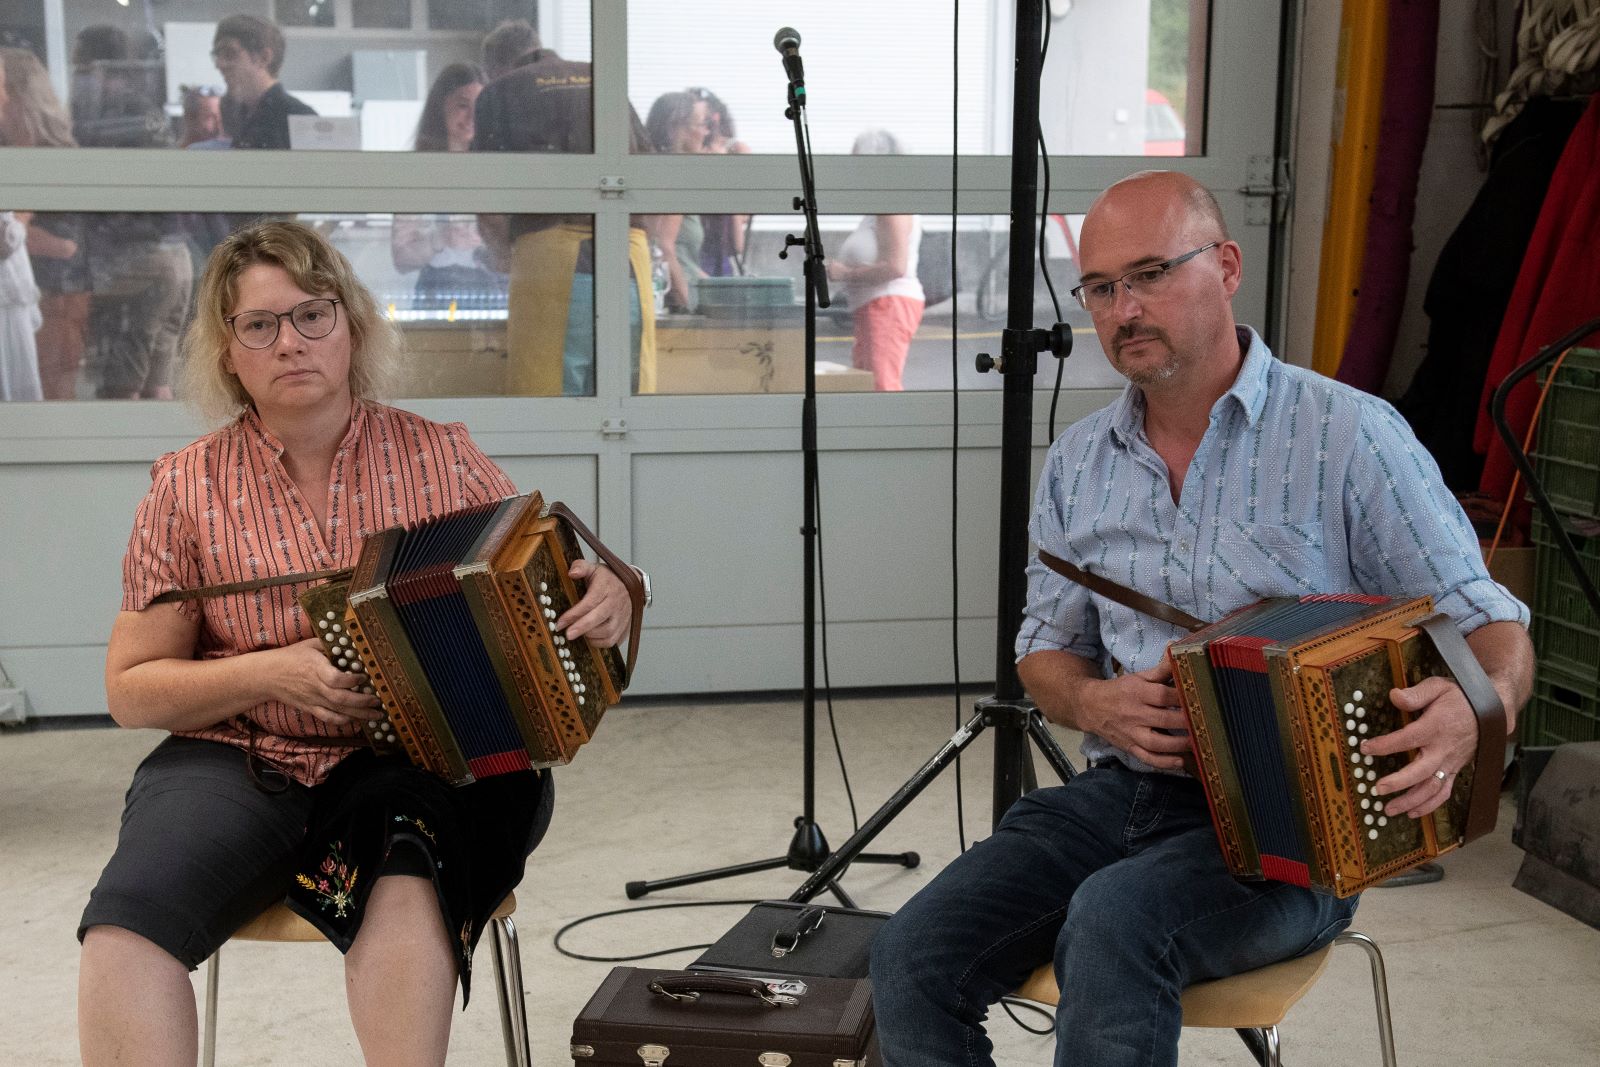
[[688, 988]]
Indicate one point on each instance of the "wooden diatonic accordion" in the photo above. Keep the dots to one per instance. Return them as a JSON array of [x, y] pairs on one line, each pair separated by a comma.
[[453, 620], [1280, 695]]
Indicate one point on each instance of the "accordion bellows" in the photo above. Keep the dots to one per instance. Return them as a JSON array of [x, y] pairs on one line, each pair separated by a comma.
[[1280, 695], [453, 620]]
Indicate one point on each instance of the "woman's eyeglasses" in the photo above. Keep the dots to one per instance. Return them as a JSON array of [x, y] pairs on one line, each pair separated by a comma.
[[314, 319]]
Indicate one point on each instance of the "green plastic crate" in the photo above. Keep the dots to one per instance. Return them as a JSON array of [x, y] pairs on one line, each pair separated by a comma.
[[1566, 631], [1564, 708], [1567, 456]]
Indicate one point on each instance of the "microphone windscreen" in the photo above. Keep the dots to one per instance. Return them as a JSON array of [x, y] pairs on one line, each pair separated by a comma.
[[786, 38]]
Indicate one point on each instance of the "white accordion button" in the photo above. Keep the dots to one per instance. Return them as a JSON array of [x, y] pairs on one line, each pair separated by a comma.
[[1373, 834], [1361, 728], [1383, 820], [1365, 803], [580, 701], [1367, 760], [1352, 742], [1377, 806], [544, 587], [322, 624], [331, 616], [344, 640], [337, 627], [1349, 708], [1355, 757], [1349, 724], [1368, 820], [1361, 713], [1361, 787], [328, 638], [1356, 696]]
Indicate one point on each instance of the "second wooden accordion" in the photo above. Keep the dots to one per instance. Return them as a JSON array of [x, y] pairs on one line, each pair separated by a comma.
[[1279, 696], [453, 620]]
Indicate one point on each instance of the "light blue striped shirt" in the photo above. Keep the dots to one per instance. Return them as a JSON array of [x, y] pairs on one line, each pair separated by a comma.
[[1300, 485]]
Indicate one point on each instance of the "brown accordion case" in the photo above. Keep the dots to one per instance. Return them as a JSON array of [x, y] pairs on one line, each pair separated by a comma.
[[649, 1018], [1279, 697]]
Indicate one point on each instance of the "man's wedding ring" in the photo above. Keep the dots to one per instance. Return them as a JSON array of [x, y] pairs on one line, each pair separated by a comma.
[[1440, 775]]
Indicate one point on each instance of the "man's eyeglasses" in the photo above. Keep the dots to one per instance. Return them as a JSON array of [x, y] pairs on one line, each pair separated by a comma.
[[1146, 281], [314, 319]]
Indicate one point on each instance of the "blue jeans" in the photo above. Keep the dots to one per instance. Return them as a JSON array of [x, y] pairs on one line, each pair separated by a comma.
[[1118, 878]]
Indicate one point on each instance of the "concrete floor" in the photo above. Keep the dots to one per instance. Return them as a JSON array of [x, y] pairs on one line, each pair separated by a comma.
[[1479, 973]]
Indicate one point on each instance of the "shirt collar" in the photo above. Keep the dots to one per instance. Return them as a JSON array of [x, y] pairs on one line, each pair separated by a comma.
[[1248, 392], [253, 424]]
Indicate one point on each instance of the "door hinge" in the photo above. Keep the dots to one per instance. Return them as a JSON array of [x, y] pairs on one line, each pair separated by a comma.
[[1267, 190], [614, 427]]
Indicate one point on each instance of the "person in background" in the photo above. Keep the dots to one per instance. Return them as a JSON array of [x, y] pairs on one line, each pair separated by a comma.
[[546, 104], [113, 101], [505, 45], [722, 252], [202, 118], [447, 251], [877, 267], [32, 116], [255, 112], [19, 312], [678, 124]]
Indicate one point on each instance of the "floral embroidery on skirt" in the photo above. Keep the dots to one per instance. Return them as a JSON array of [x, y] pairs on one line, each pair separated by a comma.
[[333, 886]]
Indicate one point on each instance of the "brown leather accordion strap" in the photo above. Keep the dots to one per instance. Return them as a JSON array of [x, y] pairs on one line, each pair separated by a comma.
[[245, 587], [1484, 804], [1121, 594], [630, 578]]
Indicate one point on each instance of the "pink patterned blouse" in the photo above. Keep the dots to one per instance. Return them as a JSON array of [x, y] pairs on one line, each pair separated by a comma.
[[224, 509]]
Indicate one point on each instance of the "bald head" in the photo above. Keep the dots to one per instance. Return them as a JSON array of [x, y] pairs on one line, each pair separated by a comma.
[[1170, 194]]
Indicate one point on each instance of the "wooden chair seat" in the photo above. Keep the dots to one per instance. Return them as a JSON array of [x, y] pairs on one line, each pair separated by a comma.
[[280, 924], [1258, 998], [1255, 1000]]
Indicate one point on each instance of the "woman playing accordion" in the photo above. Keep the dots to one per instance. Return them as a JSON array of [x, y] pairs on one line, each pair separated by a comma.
[[261, 789]]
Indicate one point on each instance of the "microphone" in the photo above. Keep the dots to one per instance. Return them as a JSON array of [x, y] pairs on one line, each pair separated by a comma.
[[787, 41]]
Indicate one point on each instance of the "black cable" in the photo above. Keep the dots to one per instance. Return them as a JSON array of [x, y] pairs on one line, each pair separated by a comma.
[[955, 409], [556, 940], [1008, 1003], [1044, 218], [827, 680]]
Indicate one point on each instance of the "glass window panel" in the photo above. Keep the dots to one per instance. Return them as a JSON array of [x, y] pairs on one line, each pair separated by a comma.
[[1120, 79], [304, 12], [116, 293], [381, 14], [730, 314], [130, 83], [480, 15]]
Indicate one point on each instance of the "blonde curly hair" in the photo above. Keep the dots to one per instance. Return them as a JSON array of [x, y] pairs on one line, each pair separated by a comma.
[[316, 267]]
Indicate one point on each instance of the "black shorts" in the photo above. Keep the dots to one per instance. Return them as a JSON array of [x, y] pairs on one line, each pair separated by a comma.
[[203, 849]]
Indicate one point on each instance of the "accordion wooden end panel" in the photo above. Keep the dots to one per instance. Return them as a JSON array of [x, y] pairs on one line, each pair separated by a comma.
[[1279, 698], [453, 621]]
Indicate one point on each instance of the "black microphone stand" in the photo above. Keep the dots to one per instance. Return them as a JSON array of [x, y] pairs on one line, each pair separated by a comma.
[[809, 847], [1009, 713]]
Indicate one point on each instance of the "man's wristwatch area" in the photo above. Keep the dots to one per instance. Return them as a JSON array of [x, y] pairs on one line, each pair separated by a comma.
[[644, 578]]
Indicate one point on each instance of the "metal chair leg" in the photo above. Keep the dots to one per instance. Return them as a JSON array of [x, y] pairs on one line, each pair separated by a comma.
[[508, 981], [208, 1047], [1380, 991], [1274, 1052]]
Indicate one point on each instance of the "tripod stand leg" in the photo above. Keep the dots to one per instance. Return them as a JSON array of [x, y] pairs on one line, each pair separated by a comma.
[[835, 864], [635, 890], [1039, 730]]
